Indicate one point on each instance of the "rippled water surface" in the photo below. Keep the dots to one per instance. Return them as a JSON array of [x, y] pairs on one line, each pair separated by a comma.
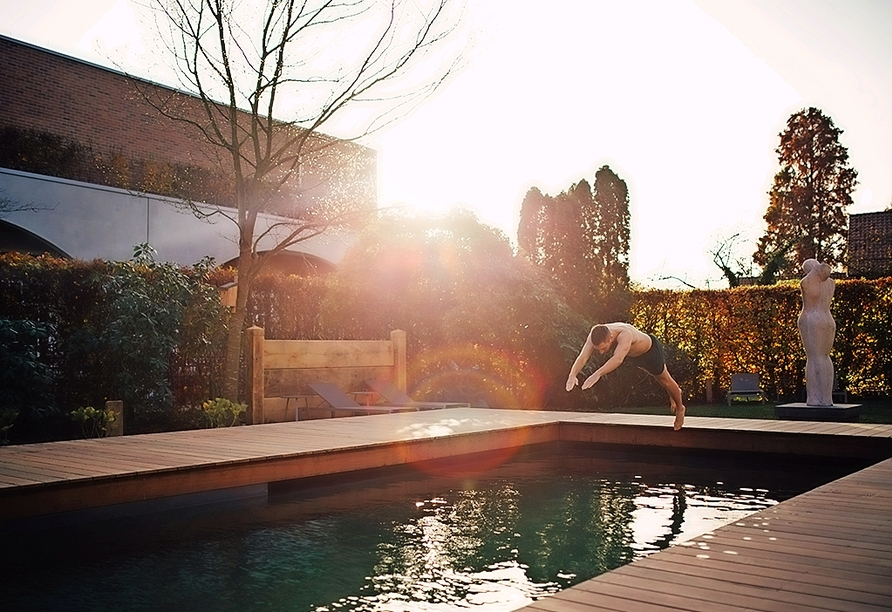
[[491, 534]]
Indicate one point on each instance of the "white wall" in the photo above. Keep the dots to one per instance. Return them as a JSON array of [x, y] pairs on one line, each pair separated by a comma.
[[93, 222]]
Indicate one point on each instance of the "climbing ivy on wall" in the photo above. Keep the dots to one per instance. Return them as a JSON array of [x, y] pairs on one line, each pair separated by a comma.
[[54, 155]]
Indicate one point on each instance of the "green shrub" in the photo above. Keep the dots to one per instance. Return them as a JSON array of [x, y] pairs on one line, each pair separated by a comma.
[[138, 331], [221, 412], [26, 380], [7, 420], [93, 423]]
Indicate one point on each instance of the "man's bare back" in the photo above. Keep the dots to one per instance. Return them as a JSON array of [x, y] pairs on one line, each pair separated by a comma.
[[639, 342]]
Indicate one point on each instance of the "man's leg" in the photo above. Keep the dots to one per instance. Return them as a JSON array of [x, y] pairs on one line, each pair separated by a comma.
[[676, 403]]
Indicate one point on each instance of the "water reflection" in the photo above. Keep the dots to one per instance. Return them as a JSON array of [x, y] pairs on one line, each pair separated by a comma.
[[498, 546]]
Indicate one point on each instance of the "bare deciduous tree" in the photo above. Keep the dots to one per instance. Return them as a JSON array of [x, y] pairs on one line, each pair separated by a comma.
[[269, 76], [732, 266]]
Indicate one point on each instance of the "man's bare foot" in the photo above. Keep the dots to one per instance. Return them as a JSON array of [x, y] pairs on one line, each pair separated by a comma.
[[679, 418]]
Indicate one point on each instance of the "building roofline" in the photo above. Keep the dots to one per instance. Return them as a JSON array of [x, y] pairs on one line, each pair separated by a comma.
[[152, 83]]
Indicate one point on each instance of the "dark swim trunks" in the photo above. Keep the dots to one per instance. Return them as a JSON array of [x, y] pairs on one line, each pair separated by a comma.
[[653, 361]]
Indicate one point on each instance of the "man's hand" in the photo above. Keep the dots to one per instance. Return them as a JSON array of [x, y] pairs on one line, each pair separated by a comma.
[[571, 382], [591, 380]]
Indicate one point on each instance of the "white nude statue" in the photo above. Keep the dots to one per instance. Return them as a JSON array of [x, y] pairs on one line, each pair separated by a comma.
[[817, 330]]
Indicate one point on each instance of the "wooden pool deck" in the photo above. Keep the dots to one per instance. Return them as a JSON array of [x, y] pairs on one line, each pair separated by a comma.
[[828, 549]]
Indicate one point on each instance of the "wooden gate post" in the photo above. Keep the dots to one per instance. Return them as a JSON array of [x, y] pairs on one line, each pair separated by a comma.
[[254, 347], [398, 338]]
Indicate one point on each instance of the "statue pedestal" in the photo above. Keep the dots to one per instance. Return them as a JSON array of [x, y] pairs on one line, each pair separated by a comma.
[[800, 411]]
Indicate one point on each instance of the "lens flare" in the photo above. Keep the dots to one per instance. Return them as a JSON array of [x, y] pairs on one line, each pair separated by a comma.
[[483, 376]]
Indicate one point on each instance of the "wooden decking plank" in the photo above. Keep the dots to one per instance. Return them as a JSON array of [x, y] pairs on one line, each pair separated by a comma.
[[836, 505], [11, 480], [777, 566], [163, 452], [758, 577], [827, 524], [774, 426], [172, 455], [110, 453], [842, 558], [838, 428], [869, 430], [578, 599], [855, 495], [866, 490], [83, 471], [80, 460], [737, 593], [853, 521], [112, 449], [707, 591], [803, 525], [31, 477], [812, 427], [554, 603], [159, 455], [42, 472], [758, 424], [54, 474], [638, 594], [838, 548], [863, 540], [802, 554], [621, 600]]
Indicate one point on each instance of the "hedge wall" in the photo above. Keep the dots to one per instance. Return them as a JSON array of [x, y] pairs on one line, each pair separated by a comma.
[[753, 329]]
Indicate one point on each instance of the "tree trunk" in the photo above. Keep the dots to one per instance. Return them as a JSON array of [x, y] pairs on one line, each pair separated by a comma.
[[232, 358]]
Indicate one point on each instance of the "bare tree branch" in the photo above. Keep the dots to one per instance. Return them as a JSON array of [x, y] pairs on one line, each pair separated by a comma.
[[9, 205], [732, 268]]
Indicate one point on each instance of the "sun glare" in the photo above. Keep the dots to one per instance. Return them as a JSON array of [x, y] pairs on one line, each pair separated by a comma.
[[691, 132]]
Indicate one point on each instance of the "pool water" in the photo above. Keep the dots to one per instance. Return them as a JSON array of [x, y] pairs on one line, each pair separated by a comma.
[[483, 533]]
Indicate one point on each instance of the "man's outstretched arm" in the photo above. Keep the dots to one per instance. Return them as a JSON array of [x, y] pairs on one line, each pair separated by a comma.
[[584, 355], [623, 344]]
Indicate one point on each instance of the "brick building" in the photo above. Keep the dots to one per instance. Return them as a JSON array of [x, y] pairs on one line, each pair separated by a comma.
[[870, 245], [47, 98]]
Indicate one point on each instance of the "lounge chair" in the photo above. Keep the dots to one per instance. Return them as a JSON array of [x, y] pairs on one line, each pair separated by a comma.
[[338, 401], [395, 396], [840, 394], [745, 387]]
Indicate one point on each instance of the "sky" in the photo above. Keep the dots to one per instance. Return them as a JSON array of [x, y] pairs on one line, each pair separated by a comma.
[[683, 99]]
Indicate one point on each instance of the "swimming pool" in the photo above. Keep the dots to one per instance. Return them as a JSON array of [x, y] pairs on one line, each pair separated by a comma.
[[458, 534]]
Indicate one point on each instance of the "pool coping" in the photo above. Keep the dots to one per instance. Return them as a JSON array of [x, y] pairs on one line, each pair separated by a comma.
[[56, 477]]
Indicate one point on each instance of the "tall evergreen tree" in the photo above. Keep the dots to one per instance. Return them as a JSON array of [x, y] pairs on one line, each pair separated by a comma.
[[531, 234], [611, 239], [809, 197], [580, 240]]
